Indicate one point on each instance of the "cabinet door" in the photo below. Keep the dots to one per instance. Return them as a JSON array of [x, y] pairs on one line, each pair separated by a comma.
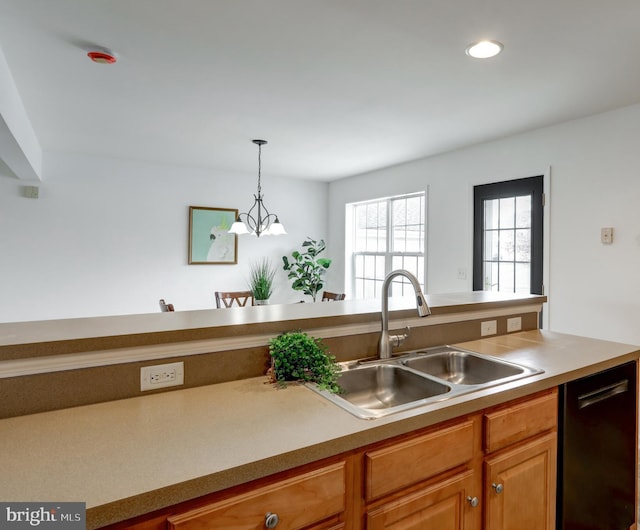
[[448, 505], [520, 486]]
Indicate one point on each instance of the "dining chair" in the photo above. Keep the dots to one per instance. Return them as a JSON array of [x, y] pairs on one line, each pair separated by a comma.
[[164, 307], [328, 296], [226, 299]]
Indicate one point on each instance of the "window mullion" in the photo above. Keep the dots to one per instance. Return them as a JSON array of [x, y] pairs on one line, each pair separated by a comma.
[[388, 257]]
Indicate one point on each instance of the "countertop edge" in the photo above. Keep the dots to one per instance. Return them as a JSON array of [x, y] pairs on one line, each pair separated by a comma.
[[19, 340]]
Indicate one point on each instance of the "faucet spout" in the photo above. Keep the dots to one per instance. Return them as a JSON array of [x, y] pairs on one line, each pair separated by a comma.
[[387, 341]]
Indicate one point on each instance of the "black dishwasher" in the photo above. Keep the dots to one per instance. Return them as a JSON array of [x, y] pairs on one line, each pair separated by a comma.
[[597, 451]]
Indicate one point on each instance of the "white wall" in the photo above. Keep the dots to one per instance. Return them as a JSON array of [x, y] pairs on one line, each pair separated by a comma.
[[110, 236], [594, 289]]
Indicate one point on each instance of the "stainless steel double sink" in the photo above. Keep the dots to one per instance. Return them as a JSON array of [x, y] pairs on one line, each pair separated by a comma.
[[373, 389]]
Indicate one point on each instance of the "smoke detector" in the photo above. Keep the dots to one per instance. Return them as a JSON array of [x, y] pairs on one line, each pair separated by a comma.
[[102, 56]]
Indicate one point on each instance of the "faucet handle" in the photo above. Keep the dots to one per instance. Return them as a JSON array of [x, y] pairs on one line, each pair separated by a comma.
[[396, 340]]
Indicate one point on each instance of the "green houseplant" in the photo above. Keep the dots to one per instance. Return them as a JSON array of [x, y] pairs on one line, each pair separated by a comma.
[[296, 356], [261, 277], [307, 269]]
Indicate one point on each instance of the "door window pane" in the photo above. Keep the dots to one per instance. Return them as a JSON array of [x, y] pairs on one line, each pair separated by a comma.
[[507, 245], [523, 211], [523, 278], [506, 278], [491, 242], [491, 214], [491, 276], [507, 212], [523, 245]]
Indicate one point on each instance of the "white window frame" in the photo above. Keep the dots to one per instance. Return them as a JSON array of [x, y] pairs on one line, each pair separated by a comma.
[[400, 284]]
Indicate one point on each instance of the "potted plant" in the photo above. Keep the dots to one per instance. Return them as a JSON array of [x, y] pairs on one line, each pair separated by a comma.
[[307, 269], [261, 277], [296, 356]]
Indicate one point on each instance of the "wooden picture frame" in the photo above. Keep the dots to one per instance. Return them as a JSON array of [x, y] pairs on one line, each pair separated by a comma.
[[210, 242]]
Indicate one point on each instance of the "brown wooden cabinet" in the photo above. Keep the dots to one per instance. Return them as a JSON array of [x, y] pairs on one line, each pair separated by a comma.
[[520, 466], [500, 463], [520, 486]]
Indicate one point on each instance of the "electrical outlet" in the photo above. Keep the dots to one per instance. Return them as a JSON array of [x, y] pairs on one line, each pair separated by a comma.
[[514, 324], [161, 376], [462, 273], [490, 327]]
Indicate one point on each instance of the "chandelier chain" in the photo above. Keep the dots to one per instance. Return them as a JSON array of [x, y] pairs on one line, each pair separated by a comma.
[[259, 169]]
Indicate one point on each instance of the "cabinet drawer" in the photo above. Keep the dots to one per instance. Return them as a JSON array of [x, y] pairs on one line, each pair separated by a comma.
[[511, 424], [298, 502], [405, 463]]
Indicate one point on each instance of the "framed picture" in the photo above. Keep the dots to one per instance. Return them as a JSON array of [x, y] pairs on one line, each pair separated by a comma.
[[209, 240]]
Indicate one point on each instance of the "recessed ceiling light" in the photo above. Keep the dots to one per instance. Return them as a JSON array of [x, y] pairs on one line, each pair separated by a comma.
[[484, 49]]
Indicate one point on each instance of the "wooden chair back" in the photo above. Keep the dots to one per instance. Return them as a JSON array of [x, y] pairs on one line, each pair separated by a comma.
[[328, 296], [226, 299], [164, 307]]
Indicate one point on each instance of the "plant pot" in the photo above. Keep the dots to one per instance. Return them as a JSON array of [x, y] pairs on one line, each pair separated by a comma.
[[261, 302]]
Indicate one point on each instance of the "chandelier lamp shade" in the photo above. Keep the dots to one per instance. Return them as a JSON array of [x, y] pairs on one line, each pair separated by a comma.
[[258, 221]]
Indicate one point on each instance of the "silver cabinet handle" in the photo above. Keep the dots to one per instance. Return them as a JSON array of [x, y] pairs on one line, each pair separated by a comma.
[[271, 520], [473, 501], [497, 487]]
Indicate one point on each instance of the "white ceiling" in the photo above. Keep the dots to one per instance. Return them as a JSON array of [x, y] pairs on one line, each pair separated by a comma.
[[337, 87]]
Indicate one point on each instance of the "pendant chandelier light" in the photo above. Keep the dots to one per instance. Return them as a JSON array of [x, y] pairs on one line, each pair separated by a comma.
[[258, 221]]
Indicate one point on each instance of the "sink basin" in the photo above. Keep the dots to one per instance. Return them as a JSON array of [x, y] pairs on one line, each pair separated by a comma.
[[463, 367], [375, 390], [384, 386]]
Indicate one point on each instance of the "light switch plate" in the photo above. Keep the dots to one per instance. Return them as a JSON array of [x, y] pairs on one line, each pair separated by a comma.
[[31, 192], [606, 235]]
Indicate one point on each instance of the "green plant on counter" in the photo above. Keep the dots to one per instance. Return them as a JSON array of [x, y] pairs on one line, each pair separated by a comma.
[[307, 268], [298, 357], [261, 277]]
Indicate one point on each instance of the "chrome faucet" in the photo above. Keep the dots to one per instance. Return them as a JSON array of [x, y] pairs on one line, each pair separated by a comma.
[[387, 342]]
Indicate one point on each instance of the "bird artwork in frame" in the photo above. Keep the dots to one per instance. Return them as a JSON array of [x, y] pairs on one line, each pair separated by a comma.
[[210, 242]]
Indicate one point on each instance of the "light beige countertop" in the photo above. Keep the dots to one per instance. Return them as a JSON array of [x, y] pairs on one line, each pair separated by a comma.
[[129, 457], [19, 340]]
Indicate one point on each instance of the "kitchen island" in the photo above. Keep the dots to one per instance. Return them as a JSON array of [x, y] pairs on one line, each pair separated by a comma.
[[133, 456]]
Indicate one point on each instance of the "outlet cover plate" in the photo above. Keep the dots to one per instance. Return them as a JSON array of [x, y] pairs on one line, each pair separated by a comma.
[[489, 327], [514, 324], [161, 376]]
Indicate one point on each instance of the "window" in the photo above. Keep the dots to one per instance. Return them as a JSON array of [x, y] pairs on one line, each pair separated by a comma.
[[384, 235], [508, 236]]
